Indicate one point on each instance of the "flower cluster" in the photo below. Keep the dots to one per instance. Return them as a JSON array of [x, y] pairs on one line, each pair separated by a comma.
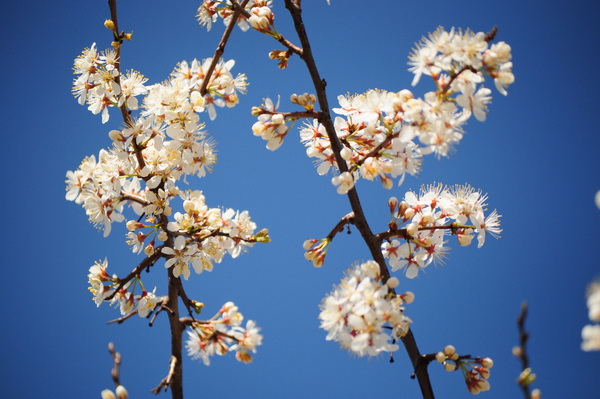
[[362, 309], [271, 125], [315, 250], [385, 134], [475, 370], [121, 295], [445, 52], [212, 233], [223, 333], [428, 216], [591, 333], [100, 84], [260, 16]]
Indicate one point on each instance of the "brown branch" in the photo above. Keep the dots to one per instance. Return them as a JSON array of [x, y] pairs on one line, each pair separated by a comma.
[[123, 318], [360, 220], [339, 227], [117, 363], [175, 377], [521, 351], [146, 263], [168, 380], [238, 9], [402, 233]]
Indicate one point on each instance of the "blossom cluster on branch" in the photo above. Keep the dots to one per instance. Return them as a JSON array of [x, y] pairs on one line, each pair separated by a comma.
[[150, 157], [428, 218], [223, 333], [385, 134], [363, 313], [475, 370]]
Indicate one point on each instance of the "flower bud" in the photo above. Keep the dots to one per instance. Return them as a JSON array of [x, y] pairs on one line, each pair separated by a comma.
[[116, 135], [393, 282], [449, 350], [412, 229], [440, 357], [464, 239], [149, 250], [408, 297], [163, 235], [107, 394], [132, 225], [449, 366], [109, 24], [308, 244], [516, 351], [121, 392], [346, 154]]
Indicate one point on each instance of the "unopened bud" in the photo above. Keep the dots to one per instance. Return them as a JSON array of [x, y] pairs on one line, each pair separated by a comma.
[[393, 203], [449, 350], [412, 229], [408, 297], [132, 225], [263, 236], [449, 366], [116, 135], [465, 239], [516, 351], [149, 250], [107, 394], [128, 36], [109, 24], [121, 392], [440, 357], [346, 154], [393, 282]]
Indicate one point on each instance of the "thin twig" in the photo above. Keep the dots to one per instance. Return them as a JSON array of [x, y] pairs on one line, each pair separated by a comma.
[[123, 318], [145, 263], [167, 381], [521, 351], [339, 227], [238, 9], [117, 364]]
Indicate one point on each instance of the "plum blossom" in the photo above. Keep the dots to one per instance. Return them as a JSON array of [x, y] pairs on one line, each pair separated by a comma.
[[222, 334], [360, 312], [427, 217]]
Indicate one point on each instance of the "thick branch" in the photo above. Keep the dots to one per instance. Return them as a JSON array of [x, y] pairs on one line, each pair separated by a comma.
[[360, 220]]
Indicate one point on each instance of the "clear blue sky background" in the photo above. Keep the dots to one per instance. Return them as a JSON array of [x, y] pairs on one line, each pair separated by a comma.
[[536, 156]]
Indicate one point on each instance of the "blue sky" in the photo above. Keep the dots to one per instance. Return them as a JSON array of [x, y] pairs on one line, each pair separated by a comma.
[[536, 156]]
